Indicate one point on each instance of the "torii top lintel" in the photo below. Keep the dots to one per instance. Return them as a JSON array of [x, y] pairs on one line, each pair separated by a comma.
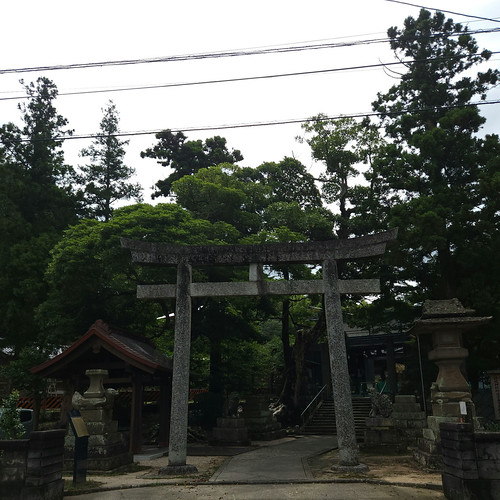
[[317, 251]]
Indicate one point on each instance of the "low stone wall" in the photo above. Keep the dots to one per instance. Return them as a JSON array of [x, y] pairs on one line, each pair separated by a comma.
[[31, 469], [399, 431], [471, 462]]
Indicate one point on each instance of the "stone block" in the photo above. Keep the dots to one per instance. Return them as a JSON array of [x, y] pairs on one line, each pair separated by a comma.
[[465, 464], [258, 421], [431, 460], [379, 422], [456, 426], [50, 491], [99, 415], [417, 415], [458, 454], [489, 469], [429, 446], [446, 410], [405, 399], [434, 422], [380, 436], [230, 435], [401, 423], [102, 427], [230, 423], [428, 434], [460, 446], [105, 439], [458, 488], [416, 424]]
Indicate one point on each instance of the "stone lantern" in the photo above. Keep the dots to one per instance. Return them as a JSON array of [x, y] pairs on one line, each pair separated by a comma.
[[447, 321]]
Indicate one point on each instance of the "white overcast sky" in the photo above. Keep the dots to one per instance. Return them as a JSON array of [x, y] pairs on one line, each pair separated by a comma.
[[54, 32]]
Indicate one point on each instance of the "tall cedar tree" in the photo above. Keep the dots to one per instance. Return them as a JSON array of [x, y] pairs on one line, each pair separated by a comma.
[[432, 179], [430, 176], [106, 177], [37, 204]]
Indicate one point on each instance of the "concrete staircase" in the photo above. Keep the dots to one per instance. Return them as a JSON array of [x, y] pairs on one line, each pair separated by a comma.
[[323, 420]]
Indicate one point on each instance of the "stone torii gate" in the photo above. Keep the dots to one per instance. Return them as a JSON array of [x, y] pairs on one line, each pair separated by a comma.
[[325, 252]]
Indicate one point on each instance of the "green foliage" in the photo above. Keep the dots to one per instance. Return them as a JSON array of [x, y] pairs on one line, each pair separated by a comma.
[[187, 157], [219, 194], [288, 181], [92, 277], [10, 421], [342, 146], [106, 179]]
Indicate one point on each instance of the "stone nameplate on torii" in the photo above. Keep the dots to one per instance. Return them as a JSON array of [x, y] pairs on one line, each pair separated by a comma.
[[326, 253]]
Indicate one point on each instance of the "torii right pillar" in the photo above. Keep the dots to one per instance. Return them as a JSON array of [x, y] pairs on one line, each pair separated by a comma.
[[341, 386]]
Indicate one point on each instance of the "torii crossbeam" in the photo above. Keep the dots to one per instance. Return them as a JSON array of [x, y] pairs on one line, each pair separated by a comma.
[[326, 253]]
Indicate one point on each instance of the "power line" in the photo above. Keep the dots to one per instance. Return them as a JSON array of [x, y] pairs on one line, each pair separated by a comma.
[[208, 55], [192, 57], [247, 78], [266, 124], [447, 11]]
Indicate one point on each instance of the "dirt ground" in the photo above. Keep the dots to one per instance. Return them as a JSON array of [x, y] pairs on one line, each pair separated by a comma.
[[392, 467]]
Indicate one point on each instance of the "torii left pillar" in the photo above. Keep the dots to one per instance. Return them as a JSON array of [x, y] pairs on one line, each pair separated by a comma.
[[180, 377]]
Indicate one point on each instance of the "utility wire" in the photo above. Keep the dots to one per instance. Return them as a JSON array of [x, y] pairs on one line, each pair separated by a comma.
[[191, 57], [447, 11], [247, 78], [208, 55], [265, 124]]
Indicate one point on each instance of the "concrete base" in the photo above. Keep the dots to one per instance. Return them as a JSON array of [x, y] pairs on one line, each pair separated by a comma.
[[177, 470]]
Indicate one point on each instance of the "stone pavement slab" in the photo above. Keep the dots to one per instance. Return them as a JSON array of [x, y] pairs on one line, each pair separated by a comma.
[[286, 461]]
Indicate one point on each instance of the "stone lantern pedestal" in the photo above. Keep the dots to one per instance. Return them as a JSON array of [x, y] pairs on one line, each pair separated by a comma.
[[446, 321], [108, 448]]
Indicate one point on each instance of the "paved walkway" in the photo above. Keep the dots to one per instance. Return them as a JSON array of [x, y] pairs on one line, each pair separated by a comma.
[[283, 462], [275, 471]]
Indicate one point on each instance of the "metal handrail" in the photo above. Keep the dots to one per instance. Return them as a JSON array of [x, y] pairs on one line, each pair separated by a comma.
[[313, 405]]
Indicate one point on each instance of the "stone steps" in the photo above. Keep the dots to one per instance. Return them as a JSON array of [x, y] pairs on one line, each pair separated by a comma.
[[323, 421]]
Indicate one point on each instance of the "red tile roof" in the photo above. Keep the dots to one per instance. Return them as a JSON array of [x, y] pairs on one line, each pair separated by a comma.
[[133, 349]]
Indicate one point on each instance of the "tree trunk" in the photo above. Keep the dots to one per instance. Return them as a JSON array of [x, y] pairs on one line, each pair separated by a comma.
[[299, 355], [216, 384]]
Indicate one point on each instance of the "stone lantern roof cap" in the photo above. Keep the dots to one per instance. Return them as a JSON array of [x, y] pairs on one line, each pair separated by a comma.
[[437, 314], [444, 308]]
